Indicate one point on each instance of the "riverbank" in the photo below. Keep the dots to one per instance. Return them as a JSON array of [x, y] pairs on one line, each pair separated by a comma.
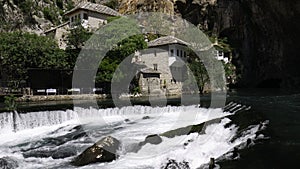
[[61, 97], [89, 101]]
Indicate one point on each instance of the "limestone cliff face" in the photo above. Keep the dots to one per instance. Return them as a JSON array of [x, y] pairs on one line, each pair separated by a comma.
[[31, 15], [264, 34], [134, 6], [35, 15]]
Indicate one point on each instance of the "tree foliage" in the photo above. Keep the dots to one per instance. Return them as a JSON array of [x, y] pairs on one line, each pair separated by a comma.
[[21, 51], [114, 4], [198, 70], [115, 56], [10, 102], [75, 41], [77, 37], [119, 28]]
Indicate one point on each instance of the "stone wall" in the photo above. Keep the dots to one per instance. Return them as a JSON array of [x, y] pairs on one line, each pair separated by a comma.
[[161, 59], [96, 20], [160, 56]]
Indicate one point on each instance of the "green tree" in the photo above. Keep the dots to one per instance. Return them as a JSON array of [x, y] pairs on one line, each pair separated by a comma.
[[10, 103], [115, 56], [200, 74], [21, 51], [75, 42], [77, 37], [114, 4], [119, 28]]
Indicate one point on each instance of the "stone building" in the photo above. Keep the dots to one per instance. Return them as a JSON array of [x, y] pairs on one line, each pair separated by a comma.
[[164, 66], [90, 15], [59, 34]]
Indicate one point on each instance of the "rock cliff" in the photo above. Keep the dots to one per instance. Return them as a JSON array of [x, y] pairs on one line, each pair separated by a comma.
[[134, 6], [35, 16], [264, 34]]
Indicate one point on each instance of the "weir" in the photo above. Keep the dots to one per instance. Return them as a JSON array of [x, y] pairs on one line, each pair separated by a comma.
[[14, 121]]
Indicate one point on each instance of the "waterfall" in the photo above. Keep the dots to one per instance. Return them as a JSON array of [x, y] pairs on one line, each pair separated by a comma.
[[133, 110], [14, 121]]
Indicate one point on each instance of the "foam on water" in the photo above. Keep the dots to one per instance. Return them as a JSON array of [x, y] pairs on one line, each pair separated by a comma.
[[48, 118], [197, 150], [34, 119]]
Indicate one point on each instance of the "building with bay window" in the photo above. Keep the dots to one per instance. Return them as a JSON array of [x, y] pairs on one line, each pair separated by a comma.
[[164, 66]]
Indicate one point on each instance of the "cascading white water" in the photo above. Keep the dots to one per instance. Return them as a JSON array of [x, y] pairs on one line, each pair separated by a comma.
[[38, 127], [133, 110], [33, 119], [47, 118]]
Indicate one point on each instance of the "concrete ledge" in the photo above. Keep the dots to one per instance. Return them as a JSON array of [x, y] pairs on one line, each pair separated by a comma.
[[61, 97]]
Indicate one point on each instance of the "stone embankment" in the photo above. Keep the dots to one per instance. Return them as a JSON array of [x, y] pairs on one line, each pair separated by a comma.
[[61, 97]]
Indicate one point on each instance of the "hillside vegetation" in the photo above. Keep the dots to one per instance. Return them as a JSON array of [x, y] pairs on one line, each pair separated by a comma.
[[37, 15]]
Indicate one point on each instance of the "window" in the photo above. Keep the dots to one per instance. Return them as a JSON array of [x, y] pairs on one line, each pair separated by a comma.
[[155, 66], [177, 52], [85, 16], [181, 54], [72, 19], [185, 54], [172, 52]]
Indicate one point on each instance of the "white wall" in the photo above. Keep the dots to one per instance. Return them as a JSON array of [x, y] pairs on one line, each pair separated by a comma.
[[162, 56], [94, 21]]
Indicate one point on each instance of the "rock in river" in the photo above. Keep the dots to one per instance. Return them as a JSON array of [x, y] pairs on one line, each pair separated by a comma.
[[103, 151], [172, 164], [152, 139], [8, 163], [64, 152]]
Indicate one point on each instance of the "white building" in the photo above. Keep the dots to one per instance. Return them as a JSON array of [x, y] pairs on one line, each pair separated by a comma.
[[219, 55], [164, 63], [165, 67], [90, 15]]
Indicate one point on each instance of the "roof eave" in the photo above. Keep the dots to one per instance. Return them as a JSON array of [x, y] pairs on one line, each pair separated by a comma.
[[72, 11], [168, 44], [83, 9], [52, 29]]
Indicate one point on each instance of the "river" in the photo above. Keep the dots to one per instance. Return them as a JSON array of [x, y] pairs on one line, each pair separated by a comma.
[[51, 134]]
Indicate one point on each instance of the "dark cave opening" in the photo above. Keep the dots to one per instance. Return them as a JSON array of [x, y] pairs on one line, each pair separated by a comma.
[[270, 83]]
